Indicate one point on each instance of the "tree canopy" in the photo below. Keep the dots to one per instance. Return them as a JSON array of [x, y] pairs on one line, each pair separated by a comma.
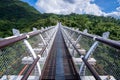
[[19, 15]]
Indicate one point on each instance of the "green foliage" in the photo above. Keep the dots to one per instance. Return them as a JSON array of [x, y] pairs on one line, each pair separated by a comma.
[[95, 24], [19, 15]]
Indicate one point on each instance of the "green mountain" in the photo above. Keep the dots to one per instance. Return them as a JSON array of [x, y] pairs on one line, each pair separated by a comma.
[[94, 24], [20, 15], [16, 14], [14, 10]]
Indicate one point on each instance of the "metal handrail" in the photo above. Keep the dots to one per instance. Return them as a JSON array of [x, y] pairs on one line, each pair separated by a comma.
[[46, 59], [109, 42], [92, 70], [25, 77], [33, 65], [6, 42], [72, 62], [94, 73]]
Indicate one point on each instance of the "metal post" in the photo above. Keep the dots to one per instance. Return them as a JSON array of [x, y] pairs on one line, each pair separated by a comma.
[[47, 35], [77, 40], [33, 54], [72, 34], [88, 65], [83, 68], [35, 29], [90, 52], [67, 33], [17, 33], [80, 36], [43, 40]]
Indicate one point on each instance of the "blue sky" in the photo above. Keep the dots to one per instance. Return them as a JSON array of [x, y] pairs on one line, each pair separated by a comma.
[[108, 6], [95, 7], [31, 2]]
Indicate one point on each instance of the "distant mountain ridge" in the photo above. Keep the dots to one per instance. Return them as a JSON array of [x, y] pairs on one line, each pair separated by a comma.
[[20, 15], [16, 14], [10, 9]]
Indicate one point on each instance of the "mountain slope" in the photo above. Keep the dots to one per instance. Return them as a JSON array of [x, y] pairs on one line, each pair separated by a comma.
[[19, 15], [15, 9], [95, 24], [16, 14]]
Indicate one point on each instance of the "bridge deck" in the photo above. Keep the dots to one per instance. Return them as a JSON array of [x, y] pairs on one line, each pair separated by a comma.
[[59, 63]]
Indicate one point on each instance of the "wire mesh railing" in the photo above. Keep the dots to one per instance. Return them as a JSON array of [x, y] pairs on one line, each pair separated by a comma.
[[35, 41], [107, 61], [16, 56], [86, 43], [42, 59], [11, 59], [104, 58], [79, 60]]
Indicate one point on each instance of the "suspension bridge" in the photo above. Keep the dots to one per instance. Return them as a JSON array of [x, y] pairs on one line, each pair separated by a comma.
[[59, 52]]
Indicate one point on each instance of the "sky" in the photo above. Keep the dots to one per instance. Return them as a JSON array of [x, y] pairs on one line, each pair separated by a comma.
[[94, 7]]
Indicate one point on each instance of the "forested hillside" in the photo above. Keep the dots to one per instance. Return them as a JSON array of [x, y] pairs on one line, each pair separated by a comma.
[[94, 24], [19, 15]]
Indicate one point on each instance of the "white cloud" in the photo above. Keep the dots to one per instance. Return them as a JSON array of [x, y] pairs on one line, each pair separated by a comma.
[[114, 14], [118, 9], [69, 6], [74, 6]]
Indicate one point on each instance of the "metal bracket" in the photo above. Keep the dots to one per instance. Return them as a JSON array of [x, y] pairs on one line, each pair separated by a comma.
[[35, 29], [16, 32]]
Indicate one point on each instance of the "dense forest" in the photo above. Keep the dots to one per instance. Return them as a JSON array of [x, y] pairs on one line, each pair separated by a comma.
[[19, 15], [94, 24]]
